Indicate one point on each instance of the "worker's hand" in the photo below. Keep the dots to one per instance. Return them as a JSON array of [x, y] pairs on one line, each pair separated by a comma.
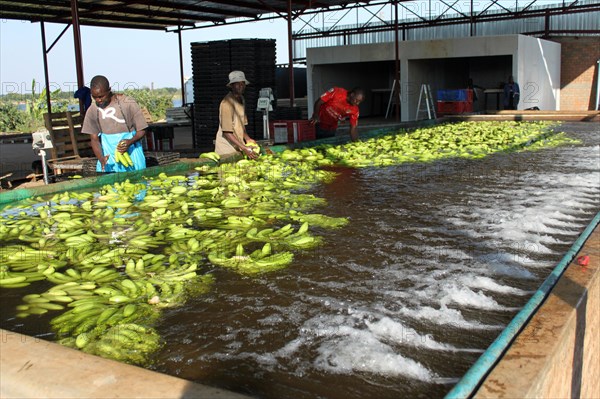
[[103, 161], [123, 145], [314, 120], [249, 152], [253, 146]]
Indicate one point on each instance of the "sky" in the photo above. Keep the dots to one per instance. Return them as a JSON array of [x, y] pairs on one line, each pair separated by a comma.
[[129, 58], [132, 58]]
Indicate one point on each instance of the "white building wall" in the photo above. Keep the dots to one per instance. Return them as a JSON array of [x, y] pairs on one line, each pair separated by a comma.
[[535, 66], [538, 69], [420, 57]]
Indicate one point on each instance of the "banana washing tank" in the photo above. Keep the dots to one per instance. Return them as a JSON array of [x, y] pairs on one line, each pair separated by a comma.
[[372, 312]]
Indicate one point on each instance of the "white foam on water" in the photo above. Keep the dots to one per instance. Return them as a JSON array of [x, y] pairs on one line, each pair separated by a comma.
[[440, 289], [464, 296], [562, 217], [443, 251], [346, 344], [582, 205], [522, 239], [272, 320], [489, 284], [386, 329], [268, 361], [531, 215], [446, 316], [519, 258], [446, 380], [292, 347], [506, 269], [359, 351]]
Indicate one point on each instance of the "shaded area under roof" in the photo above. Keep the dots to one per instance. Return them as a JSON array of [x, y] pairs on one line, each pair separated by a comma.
[[158, 14]]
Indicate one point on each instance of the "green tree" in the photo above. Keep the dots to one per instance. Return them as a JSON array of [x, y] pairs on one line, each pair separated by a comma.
[[11, 119], [155, 101]]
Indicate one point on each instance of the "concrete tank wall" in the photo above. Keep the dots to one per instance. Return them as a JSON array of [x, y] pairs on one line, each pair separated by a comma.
[[34, 368]]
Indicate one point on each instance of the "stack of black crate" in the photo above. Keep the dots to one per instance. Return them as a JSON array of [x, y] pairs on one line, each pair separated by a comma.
[[211, 64]]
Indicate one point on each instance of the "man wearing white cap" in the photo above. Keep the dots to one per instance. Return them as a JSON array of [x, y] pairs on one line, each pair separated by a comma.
[[232, 137]]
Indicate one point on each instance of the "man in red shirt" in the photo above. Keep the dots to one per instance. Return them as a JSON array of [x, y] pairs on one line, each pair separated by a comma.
[[335, 105]]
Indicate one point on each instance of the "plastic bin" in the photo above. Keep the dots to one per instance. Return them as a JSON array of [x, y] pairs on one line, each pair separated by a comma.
[[291, 131], [455, 95], [454, 107]]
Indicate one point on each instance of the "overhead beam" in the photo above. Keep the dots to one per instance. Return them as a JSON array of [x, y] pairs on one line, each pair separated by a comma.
[[30, 14], [161, 8], [306, 11]]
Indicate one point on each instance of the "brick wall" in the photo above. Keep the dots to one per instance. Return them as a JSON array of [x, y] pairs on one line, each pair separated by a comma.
[[579, 69]]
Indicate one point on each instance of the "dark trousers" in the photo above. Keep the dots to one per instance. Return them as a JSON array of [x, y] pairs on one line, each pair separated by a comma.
[[513, 100], [322, 133]]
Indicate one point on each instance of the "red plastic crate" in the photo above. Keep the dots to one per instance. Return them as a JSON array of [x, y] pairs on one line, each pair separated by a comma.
[[454, 107], [297, 130], [470, 96]]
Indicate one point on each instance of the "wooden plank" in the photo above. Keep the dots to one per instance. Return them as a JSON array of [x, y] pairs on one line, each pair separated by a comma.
[[68, 141]]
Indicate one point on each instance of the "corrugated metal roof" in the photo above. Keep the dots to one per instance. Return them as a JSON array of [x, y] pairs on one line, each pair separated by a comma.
[[155, 14]]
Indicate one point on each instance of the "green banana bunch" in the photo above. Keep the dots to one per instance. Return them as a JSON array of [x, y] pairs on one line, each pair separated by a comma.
[[143, 242], [123, 158], [208, 214], [178, 232], [135, 269], [172, 294], [128, 342], [320, 220], [75, 295], [18, 231], [211, 156], [239, 222], [9, 280], [233, 202], [189, 247], [258, 262], [183, 273], [82, 240], [301, 239], [100, 275], [161, 203], [70, 275]]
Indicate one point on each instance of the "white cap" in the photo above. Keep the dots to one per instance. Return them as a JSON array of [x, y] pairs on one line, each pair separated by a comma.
[[237, 76]]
